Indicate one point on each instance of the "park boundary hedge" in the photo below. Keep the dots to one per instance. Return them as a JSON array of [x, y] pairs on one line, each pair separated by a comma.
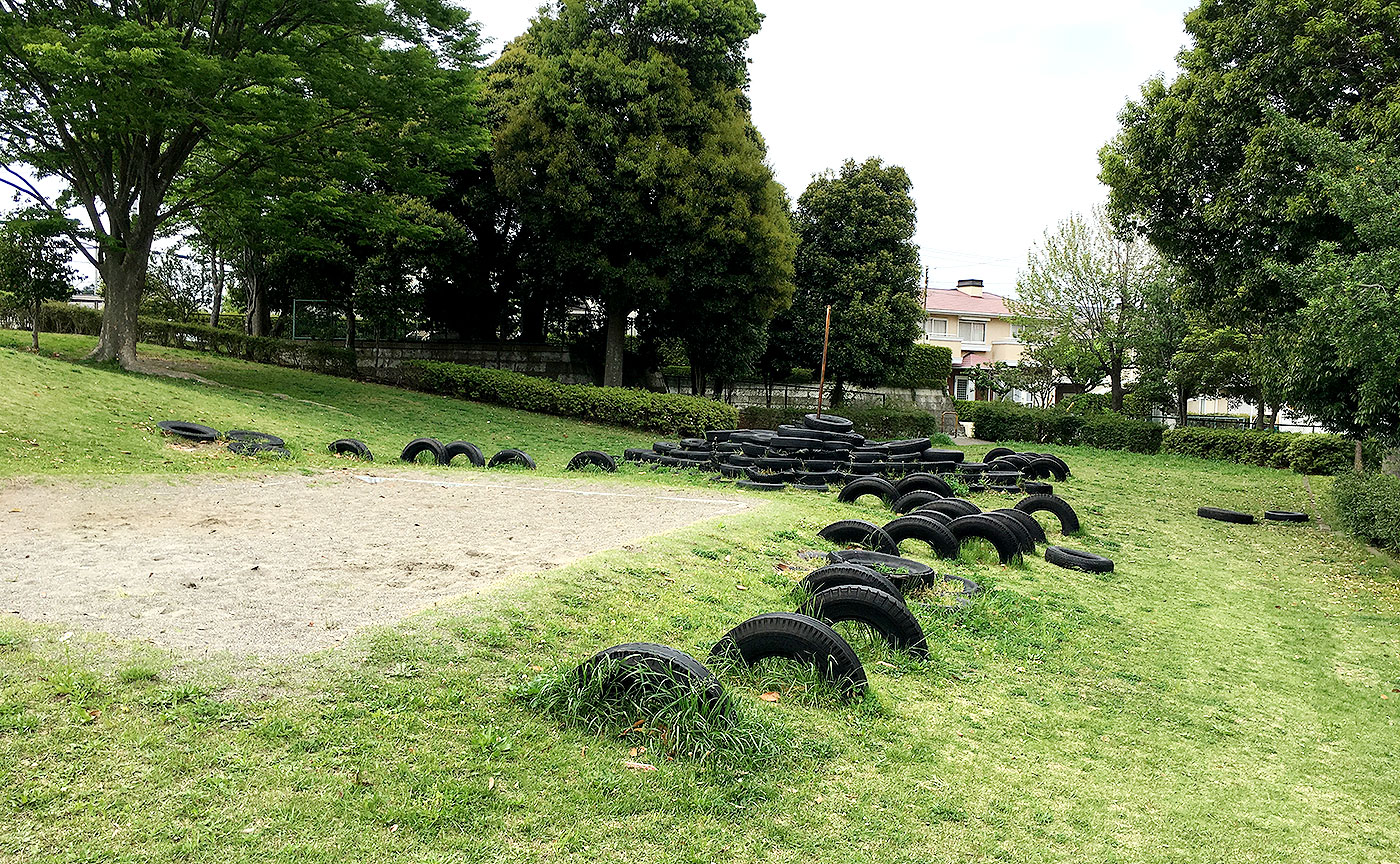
[[1007, 421], [666, 413], [1304, 453], [81, 320], [1368, 505], [928, 366]]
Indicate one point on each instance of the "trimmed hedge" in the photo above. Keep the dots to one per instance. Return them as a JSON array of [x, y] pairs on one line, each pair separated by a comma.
[[886, 424], [927, 366], [1368, 505], [1008, 421], [315, 357], [666, 413], [1305, 453]]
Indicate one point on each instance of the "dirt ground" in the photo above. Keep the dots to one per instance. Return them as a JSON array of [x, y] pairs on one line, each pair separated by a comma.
[[284, 565]]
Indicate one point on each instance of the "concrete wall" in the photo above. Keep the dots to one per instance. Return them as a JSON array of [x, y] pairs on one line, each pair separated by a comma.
[[383, 361]]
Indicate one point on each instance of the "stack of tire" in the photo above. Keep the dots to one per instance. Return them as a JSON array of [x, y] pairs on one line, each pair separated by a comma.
[[1006, 470], [823, 451], [944, 524]]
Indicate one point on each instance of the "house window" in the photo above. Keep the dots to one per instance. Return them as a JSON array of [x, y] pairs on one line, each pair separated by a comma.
[[962, 388], [1015, 331], [934, 327], [972, 331]]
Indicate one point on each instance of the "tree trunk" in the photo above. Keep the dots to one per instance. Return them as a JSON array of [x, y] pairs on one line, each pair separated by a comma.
[[350, 328], [1259, 418], [532, 312], [617, 342], [1181, 410], [1115, 381], [1359, 464], [38, 306], [218, 274], [259, 320], [123, 278]]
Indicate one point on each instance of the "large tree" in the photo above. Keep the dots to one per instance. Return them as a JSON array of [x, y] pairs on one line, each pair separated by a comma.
[[1206, 166], [1080, 297], [855, 253], [121, 101], [610, 106]]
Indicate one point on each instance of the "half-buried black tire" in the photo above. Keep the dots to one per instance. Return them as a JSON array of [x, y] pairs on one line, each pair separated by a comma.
[[877, 486], [1222, 515], [923, 481], [858, 532], [834, 575], [594, 458], [884, 614], [796, 637], [189, 431], [463, 448], [643, 669], [419, 446], [990, 529], [511, 456], [925, 529], [351, 447], [1069, 520], [1074, 559]]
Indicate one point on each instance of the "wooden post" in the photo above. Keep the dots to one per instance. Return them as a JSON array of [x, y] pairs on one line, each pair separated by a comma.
[[821, 383]]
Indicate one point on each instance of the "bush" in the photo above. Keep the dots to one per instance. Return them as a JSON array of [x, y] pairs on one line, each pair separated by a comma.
[[1115, 432], [1368, 505], [315, 357], [1305, 453], [1087, 404], [665, 413], [885, 423], [928, 366]]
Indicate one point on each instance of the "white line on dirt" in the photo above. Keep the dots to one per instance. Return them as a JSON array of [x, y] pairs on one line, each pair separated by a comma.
[[449, 483]]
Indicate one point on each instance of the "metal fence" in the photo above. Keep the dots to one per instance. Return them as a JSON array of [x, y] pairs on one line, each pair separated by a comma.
[[1219, 421]]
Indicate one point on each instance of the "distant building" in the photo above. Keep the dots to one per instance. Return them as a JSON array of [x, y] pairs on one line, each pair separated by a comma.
[[976, 326], [92, 301]]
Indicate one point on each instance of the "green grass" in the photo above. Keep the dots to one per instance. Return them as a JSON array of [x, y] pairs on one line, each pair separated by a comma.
[[1229, 693]]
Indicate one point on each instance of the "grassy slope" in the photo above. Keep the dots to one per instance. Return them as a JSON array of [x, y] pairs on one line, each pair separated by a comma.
[[1227, 694]]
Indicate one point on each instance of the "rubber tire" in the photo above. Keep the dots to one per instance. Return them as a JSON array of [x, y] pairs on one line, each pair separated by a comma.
[[1222, 515], [660, 660], [931, 531], [1024, 539], [884, 614], [1075, 559], [511, 456], [1026, 521], [1039, 469], [423, 445], [351, 447], [938, 515], [1069, 520], [931, 455], [989, 529], [954, 507], [912, 501], [1031, 487], [997, 452], [1285, 516], [827, 423], [921, 480], [857, 531], [256, 437], [463, 448], [797, 637], [189, 431], [874, 560], [832, 575]]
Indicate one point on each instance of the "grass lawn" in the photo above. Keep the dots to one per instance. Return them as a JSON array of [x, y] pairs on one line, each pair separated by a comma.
[[1229, 693]]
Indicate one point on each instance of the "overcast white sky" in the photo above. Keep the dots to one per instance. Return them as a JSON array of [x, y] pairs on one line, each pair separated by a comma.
[[996, 110]]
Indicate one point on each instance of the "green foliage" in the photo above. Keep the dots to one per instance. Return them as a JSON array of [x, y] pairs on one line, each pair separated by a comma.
[[884, 424], [856, 254], [1368, 505], [666, 413], [1208, 167], [315, 357], [1079, 299], [1305, 453], [927, 366], [1008, 421], [34, 256], [1087, 404], [145, 112]]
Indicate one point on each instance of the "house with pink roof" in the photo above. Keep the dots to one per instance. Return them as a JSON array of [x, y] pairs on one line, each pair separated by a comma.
[[975, 325]]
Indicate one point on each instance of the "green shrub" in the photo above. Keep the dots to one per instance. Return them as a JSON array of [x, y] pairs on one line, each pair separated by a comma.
[[1115, 432], [1368, 505], [665, 413], [1305, 453], [927, 366]]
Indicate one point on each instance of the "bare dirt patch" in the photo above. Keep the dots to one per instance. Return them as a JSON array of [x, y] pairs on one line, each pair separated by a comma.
[[283, 565]]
